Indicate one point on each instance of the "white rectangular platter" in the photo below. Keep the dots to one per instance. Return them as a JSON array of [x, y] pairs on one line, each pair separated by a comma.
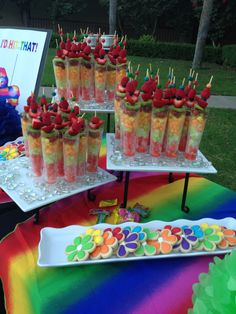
[[53, 241], [145, 162], [29, 192]]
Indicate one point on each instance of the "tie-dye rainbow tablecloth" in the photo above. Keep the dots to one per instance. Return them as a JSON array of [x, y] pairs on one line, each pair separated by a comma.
[[152, 286]]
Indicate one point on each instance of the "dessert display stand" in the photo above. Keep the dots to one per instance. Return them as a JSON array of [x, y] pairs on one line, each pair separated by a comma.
[[107, 108], [145, 162], [33, 193]]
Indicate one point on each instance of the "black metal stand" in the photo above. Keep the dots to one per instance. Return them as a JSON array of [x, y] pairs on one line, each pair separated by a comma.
[[108, 122], [120, 176], [36, 217], [185, 208], [91, 196], [126, 189], [170, 177]]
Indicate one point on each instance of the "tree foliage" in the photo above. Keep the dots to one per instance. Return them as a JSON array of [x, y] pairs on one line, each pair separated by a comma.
[[63, 8], [223, 17]]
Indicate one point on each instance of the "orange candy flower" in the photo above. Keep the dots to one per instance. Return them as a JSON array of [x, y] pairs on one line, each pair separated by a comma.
[[164, 242], [105, 249]]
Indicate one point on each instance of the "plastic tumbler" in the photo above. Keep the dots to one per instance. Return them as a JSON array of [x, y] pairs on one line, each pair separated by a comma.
[[35, 150], [143, 126], [50, 151], [59, 67], [73, 75], [158, 128], [70, 151], [100, 82], [24, 125], [82, 154], [86, 80], [175, 126], [94, 145], [197, 124], [111, 82]]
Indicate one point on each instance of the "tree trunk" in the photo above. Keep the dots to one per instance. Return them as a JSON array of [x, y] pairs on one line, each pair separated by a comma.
[[202, 32], [112, 16]]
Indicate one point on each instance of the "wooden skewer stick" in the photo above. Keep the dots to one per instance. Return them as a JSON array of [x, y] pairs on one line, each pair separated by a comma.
[[87, 30], [193, 73], [57, 42], [99, 30], [83, 115], [196, 77], [95, 113], [81, 31], [115, 33], [211, 79], [136, 72], [125, 38], [174, 80], [190, 71], [183, 81], [147, 73], [43, 91], [172, 74]]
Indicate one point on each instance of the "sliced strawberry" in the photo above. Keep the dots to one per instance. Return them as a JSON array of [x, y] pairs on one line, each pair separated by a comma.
[[130, 87], [74, 47], [83, 45], [123, 53], [124, 81], [87, 50], [81, 122], [121, 60], [47, 128], [112, 59], [95, 120], [46, 118], [43, 100], [55, 107], [59, 53], [101, 61], [146, 87], [92, 125], [68, 44], [36, 124], [146, 96], [158, 94], [58, 119], [26, 108], [121, 89], [64, 104]]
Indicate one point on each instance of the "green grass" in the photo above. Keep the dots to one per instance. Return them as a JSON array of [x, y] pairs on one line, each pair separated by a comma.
[[224, 82], [219, 139]]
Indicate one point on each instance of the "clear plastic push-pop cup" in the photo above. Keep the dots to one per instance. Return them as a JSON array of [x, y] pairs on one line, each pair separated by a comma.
[[73, 75], [120, 72], [35, 150], [129, 120], [24, 125], [158, 127], [184, 136], [70, 151], [143, 126], [59, 67], [100, 82], [60, 158], [86, 82], [119, 98], [94, 145], [50, 152], [111, 82], [82, 154], [197, 124], [175, 126]]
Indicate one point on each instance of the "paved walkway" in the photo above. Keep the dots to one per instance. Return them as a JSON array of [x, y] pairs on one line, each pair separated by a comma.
[[226, 102]]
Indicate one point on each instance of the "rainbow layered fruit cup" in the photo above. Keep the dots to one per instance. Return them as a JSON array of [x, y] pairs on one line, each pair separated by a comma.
[[86, 82], [197, 124], [100, 82], [111, 81], [83, 146], [61, 128], [120, 72], [70, 150], [59, 67], [73, 72], [158, 128], [50, 149], [24, 125], [35, 147], [95, 131], [117, 108], [175, 126], [143, 126], [128, 121], [184, 136]]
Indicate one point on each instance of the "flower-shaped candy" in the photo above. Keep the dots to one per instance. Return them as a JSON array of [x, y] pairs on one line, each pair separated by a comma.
[[129, 244], [146, 247], [96, 235], [164, 242], [137, 229], [80, 249], [117, 233], [210, 239], [188, 239], [105, 249], [229, 239], [175, 231], [217, 228]]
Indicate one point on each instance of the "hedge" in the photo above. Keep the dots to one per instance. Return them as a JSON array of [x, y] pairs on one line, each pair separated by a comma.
[[144, 48], [229, 55], [172, 51]]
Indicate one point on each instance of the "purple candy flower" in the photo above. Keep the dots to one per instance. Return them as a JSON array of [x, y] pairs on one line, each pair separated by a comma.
[[187, 240], [129, 244]]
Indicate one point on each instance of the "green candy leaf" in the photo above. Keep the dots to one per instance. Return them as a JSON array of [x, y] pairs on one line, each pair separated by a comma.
[[214, 238], [139, 251], [151, 235], [208, 231], [208, 245], [77, 241]]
